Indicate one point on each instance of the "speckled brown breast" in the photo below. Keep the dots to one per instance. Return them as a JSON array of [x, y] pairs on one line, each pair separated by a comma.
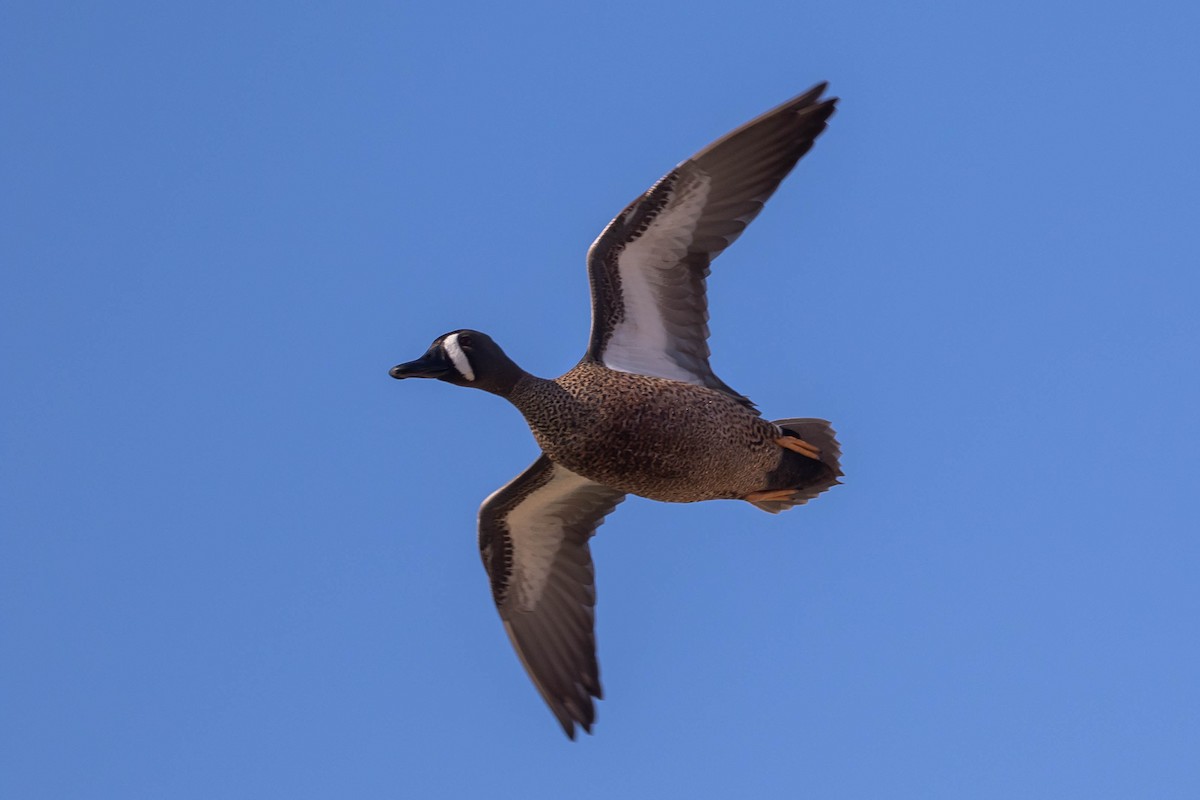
[[648, 436]]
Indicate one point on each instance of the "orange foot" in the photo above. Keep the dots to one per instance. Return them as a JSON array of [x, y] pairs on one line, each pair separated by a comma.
[[771, 494], [799, 446]]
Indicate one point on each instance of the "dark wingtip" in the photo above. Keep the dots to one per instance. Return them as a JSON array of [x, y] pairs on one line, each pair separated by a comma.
[[569, 724], [811, 102], [814, 94]]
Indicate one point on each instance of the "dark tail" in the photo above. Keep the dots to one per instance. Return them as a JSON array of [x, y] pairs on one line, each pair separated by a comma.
[[818, 433]]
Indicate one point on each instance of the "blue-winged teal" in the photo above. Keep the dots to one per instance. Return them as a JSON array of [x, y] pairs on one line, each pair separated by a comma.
[[642, 413]]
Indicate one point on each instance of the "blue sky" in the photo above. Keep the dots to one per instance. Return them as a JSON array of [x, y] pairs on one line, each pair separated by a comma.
[[238, 560]]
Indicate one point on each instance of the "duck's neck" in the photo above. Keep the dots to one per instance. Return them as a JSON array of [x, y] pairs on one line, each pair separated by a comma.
[[504, 379]]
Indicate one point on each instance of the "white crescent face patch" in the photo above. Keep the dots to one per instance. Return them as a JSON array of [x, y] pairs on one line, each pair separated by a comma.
[[458, 357]]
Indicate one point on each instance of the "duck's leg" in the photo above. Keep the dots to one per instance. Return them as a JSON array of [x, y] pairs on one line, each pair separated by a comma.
[[797, 445], [770, 495]]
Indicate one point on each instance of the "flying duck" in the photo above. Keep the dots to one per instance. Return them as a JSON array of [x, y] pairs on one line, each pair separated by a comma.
[[642, 412]]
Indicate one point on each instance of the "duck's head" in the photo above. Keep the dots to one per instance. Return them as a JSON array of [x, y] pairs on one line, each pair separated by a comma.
[[466, 358]]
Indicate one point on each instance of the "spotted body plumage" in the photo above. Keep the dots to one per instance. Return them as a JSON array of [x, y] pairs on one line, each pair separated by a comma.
[[624, 430]]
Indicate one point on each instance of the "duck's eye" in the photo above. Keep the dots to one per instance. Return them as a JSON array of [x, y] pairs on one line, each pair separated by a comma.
[[464, 339]]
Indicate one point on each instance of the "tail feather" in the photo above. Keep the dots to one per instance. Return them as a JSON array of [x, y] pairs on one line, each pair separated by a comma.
[[821, 435]]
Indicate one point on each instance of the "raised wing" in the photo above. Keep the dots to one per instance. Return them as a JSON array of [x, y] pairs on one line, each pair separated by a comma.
[[533, 536], [647, 268]]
